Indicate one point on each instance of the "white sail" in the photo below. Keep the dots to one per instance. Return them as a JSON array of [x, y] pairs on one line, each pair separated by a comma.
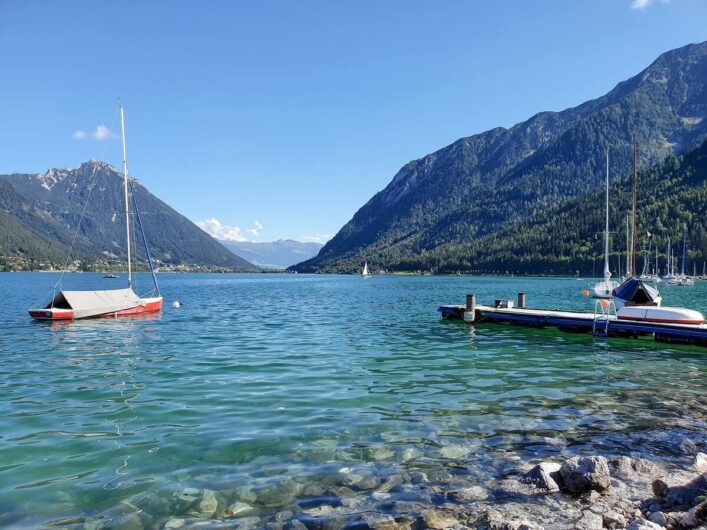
[[365, 270]]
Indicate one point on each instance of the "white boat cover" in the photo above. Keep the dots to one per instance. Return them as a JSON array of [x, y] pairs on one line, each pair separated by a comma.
[[94, 303], [671, 315]]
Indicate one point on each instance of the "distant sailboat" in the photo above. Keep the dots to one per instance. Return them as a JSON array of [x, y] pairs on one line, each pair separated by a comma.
[[72, 305], [604, 288], [669, 277], [684, 280], [365, 273], [645, 276]]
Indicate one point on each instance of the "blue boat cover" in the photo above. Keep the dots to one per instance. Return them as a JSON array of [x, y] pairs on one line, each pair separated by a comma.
[[634, 292]]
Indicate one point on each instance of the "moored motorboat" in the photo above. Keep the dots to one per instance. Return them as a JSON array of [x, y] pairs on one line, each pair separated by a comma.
[[633, 292], [664, 315]]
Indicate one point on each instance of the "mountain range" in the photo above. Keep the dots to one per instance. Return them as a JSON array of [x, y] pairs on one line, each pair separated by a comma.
[[278, 254], [39, 215], [484, 187]]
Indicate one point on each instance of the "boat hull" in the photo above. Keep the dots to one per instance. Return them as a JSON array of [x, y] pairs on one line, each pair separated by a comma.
[[604, 289], [662, 315], [146, 305]]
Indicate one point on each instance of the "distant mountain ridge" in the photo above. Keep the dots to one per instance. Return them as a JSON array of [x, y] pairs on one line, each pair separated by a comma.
[[39, 214], [479, 185], [278, 254]]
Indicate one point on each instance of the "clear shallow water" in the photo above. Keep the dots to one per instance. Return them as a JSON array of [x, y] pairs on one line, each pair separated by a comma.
[[263, 388]]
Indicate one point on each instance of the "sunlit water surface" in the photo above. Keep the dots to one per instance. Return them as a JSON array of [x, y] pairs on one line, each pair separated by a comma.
[[271, 382]]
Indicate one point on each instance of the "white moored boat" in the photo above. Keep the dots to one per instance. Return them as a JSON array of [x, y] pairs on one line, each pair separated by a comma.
[[663, 315], [73, 305]]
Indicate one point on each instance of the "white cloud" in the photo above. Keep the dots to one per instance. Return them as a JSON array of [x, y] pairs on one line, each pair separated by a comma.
[[256, 229], [215, 229], [316, 238], [640, 5], [103, 133]]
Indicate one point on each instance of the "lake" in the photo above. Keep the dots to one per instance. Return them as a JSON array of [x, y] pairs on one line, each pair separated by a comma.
[[269, 390]]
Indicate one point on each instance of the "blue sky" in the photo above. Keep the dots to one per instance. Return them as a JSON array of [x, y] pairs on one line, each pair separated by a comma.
[[279, 119]]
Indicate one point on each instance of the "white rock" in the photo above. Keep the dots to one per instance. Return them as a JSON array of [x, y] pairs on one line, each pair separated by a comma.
[[701, 462]]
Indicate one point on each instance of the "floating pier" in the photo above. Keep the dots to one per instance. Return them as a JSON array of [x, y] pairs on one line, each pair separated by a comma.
[[603, 322]]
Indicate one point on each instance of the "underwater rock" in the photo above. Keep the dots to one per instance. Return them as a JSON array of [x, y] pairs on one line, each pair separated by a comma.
[[238, 509], [700, 462], [173, 524], [410, 454], [363, 480], [280, 494], [377, 521], [439, 520], [380, 452], [208, 504], [688, 447], [330, 499], [245, 494], [454, 452], [470, 494]]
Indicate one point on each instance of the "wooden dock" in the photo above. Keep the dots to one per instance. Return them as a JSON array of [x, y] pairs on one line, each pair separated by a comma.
[[601, 323]]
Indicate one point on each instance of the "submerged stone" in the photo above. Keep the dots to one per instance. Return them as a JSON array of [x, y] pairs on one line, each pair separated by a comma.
[[238, 509], [454, 451]]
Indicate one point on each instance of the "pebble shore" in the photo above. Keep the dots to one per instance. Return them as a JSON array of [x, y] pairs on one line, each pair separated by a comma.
[[581, 492]]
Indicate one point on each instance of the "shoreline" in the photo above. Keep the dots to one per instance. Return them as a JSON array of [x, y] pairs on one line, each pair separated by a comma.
[[581, 492]]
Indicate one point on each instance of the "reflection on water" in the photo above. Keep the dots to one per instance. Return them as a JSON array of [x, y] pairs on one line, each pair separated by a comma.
[[263, 386]]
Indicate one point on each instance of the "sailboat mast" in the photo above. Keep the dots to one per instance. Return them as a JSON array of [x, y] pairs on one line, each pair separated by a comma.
[[684, 243], [635, 187], [628, 252], [125, 189], [607, 272]]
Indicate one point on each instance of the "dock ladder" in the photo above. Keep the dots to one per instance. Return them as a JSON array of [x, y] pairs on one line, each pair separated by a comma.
[[604, 310]]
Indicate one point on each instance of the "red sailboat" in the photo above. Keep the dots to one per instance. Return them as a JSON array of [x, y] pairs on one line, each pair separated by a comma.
[[72, 305]]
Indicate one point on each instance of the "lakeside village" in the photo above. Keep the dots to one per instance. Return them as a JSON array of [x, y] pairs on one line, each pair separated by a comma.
[[24, 264]]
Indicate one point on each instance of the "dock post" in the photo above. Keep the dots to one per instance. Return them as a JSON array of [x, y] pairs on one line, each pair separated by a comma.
[[470, 313], [521, 300]]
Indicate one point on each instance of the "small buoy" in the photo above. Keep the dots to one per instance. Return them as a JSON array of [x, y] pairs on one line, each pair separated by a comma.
[[604, 303], [176, 304], [585, 292]]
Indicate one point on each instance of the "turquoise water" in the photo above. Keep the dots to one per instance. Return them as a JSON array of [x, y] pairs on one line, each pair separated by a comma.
[[268, 389]]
